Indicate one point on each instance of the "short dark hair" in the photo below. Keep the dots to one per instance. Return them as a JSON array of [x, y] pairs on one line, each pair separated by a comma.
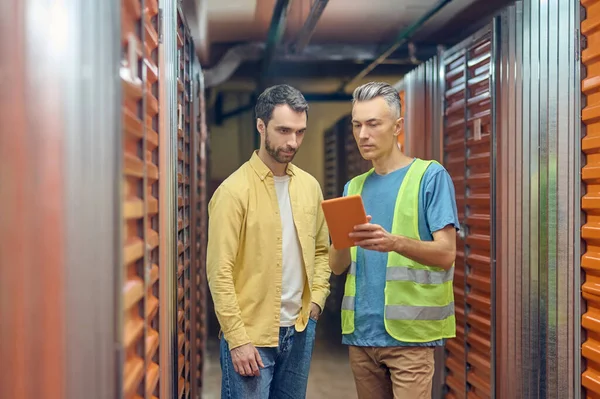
[[279, 95]]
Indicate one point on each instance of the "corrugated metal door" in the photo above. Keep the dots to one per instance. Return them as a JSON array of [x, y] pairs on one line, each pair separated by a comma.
[[477, 251], [454, 162], [200, 216], [184, 131], [332, 166], [140, 208], [152, 225], [335, 179], [590, 145], [467, 156], [335, 161]]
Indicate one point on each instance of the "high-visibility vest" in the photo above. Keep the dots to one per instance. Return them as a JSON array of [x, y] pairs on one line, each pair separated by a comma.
[[419, 301]]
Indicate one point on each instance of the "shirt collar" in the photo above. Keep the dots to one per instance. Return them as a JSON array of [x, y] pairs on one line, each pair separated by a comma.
[[263, 170]]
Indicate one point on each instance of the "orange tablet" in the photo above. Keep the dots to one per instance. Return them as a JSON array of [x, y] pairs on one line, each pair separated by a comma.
[[342, 214]]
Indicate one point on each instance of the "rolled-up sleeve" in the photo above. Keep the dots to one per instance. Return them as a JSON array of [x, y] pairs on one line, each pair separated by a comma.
[[226, 215]]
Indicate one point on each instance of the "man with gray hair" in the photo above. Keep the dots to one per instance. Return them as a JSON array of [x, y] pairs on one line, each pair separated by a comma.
[[398, 302], [267, 262]]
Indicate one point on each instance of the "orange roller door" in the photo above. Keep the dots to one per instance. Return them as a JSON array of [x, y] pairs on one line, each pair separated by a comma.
[[141, 202], [590, 232]]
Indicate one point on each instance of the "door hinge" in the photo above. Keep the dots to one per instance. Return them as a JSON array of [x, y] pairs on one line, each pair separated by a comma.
[[160, 25]]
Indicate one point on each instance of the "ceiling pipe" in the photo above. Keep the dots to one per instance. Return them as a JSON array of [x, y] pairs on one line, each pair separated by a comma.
[[276, 30], [249, 52], [307, 30], [230, 62], [402, 38]]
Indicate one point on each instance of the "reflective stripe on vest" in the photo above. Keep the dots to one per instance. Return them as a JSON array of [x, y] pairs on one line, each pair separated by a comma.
[[419, 300]]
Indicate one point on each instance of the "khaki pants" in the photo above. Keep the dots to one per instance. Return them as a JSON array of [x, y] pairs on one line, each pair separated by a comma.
[[394, 373]]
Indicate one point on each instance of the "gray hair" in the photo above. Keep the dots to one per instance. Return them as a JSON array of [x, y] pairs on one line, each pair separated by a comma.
[[279, 95], [372, 90]]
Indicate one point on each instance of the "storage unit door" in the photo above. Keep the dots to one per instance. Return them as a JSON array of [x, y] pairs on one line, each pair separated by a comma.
[[590, 232], [467, 156], [140, 207], [332, 164], [454, 161], [478, 215], [199, 216], [184, 134]]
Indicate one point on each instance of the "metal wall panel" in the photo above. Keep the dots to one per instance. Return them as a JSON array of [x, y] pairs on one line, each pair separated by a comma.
[[420, 94], [510, 217], [59, 221], [590, 264], [538, 183], [168, 64]]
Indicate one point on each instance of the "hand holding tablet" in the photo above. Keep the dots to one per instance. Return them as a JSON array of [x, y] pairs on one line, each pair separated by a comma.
[[342, 214]]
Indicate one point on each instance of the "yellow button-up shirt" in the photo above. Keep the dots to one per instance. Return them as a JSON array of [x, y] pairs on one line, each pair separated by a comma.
[[244, 260]]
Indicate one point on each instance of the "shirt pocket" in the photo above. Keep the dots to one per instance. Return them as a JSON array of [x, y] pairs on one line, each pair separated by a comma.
[[310, 221]]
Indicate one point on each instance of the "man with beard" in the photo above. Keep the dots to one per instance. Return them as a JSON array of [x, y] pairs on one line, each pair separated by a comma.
[[267, 259]]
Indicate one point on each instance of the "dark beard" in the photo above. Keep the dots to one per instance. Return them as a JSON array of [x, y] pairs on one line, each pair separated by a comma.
[[275, 153]]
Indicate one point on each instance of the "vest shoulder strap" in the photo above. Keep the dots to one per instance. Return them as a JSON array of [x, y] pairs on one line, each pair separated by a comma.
[[357, 183], [420, 167]]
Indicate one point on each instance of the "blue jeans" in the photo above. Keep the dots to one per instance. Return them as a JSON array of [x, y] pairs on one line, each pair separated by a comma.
[[285, 374]]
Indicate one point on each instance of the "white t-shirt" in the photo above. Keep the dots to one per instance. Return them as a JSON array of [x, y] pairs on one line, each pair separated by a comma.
[[292, 276]]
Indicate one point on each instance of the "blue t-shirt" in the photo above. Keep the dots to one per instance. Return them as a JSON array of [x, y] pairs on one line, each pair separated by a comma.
[[437, 209]]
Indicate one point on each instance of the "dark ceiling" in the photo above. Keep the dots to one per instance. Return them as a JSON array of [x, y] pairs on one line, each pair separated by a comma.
[[452, 32]]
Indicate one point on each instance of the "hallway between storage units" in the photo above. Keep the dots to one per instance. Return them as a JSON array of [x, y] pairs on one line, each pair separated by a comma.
[[330, 374]]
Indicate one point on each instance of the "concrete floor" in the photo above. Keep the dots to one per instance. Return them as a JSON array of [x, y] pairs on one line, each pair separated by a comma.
[[330, 375]]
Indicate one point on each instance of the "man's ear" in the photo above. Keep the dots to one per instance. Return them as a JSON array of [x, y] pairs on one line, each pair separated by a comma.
[[260, 126], [398, 126]]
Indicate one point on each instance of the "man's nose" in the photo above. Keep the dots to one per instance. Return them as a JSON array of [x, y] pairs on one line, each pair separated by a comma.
[[293, 143], [363, 133]]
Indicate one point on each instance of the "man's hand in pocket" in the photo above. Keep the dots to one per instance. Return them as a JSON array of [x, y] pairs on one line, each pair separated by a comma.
[[315, 311]]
